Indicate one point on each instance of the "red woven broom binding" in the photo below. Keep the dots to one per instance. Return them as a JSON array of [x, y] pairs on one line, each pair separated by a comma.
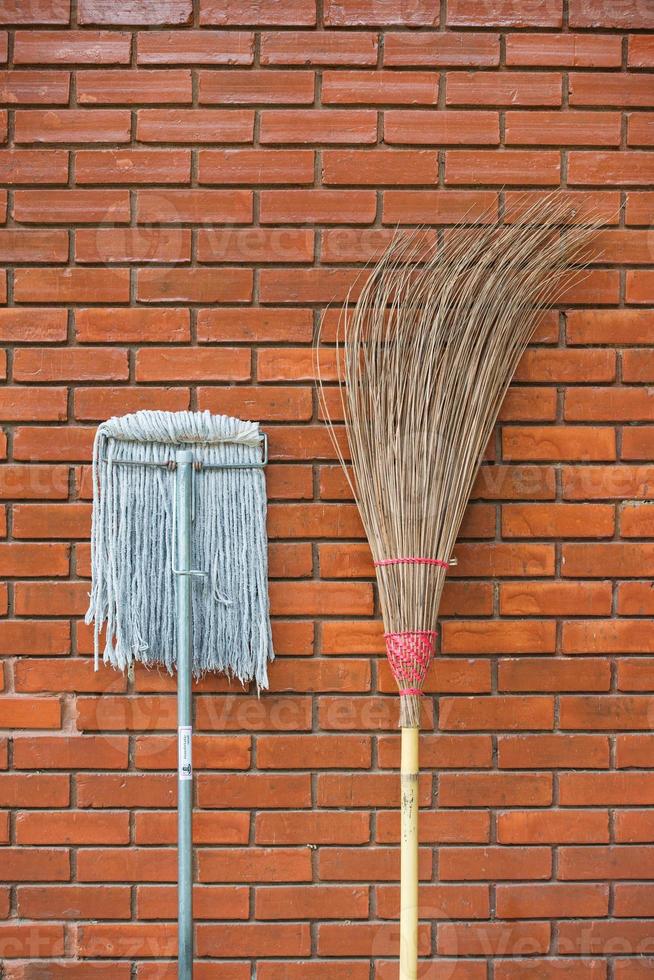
[[409, 655]]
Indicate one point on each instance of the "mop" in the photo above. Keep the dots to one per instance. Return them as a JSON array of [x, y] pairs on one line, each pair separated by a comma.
[[429, 349], [180, 570]]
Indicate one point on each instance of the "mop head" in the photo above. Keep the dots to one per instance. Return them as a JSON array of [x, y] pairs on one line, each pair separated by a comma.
[[132, 544]]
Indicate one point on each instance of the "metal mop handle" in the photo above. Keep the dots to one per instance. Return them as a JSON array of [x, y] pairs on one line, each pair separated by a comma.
[[183, 573]]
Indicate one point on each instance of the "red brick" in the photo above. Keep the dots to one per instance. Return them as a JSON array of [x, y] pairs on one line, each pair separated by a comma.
[[195, 206], [495, 789], [35, 12], [194, 125], [72, 901], [22, 790], [489, 863], [256, 87], [317, 828], [641, 53], [555, 599], [379, 88], [414, 48], [559, 443], [160, 14], [191, 47], [35, 864], [72, 126], [132, 167], [507, 88], [619, 167], [34, 167], [256, 166], [438, 207], [276, 404], [23, 939], [260, 245], [502, 167], [553, 751], [68, 752], [34, 637], [22, 560], [34, 87], [493, 938], [633, 900], [561, 675], [134, 325], [34, 482], [633, 826], [556, 900], [74, 828], [74, 206], [318, 48], [499, 712], [71, 285], [319, 206], [605, 789], [361, 13], [312, 902], [38, 364], [72, 443], [623, 560], [504, 13], [192, 364], [564, 50], [196, 286], [640, 132], [603, 13], [557, 520], [563, 128], [71, 47], [34, 246], [636, 444], [316, 126], [494, 637], [255, 864], [126, 939], [382, 167], [33, 325], [634, 598], [437, 128], [133, 87], [33, 404], [551, 969], [607, 327], [264, 13]]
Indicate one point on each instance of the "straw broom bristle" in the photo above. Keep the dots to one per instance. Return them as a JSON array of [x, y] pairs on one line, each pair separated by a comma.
[[428, 351]]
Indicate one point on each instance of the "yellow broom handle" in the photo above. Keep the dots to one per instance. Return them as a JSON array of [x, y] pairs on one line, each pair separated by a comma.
[[409, 856]]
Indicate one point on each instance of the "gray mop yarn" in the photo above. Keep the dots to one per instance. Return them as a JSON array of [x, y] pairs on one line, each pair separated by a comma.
[[133, 587]]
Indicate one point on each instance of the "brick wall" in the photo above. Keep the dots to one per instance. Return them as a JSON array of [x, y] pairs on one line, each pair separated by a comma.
[[187, 187]]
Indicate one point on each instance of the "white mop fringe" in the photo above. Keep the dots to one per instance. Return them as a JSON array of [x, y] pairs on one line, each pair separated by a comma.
[[132, 545]]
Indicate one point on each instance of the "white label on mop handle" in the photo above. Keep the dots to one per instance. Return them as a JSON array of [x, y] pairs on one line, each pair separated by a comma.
[[184, 753]]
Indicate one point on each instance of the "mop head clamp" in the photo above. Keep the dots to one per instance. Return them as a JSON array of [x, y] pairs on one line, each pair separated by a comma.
[[133, 543]]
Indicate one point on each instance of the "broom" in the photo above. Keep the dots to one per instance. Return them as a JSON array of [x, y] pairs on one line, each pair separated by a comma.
[[425, 357]]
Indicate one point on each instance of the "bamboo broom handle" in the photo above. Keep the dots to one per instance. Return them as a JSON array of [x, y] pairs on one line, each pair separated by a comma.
[[409, 856]]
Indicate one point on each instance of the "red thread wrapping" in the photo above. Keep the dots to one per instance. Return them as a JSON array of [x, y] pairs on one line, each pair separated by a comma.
[[412, 561], [409, 655]]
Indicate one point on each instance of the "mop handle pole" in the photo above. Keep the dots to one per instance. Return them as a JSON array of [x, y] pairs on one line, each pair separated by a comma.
[[182, 566], [409, 855]]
